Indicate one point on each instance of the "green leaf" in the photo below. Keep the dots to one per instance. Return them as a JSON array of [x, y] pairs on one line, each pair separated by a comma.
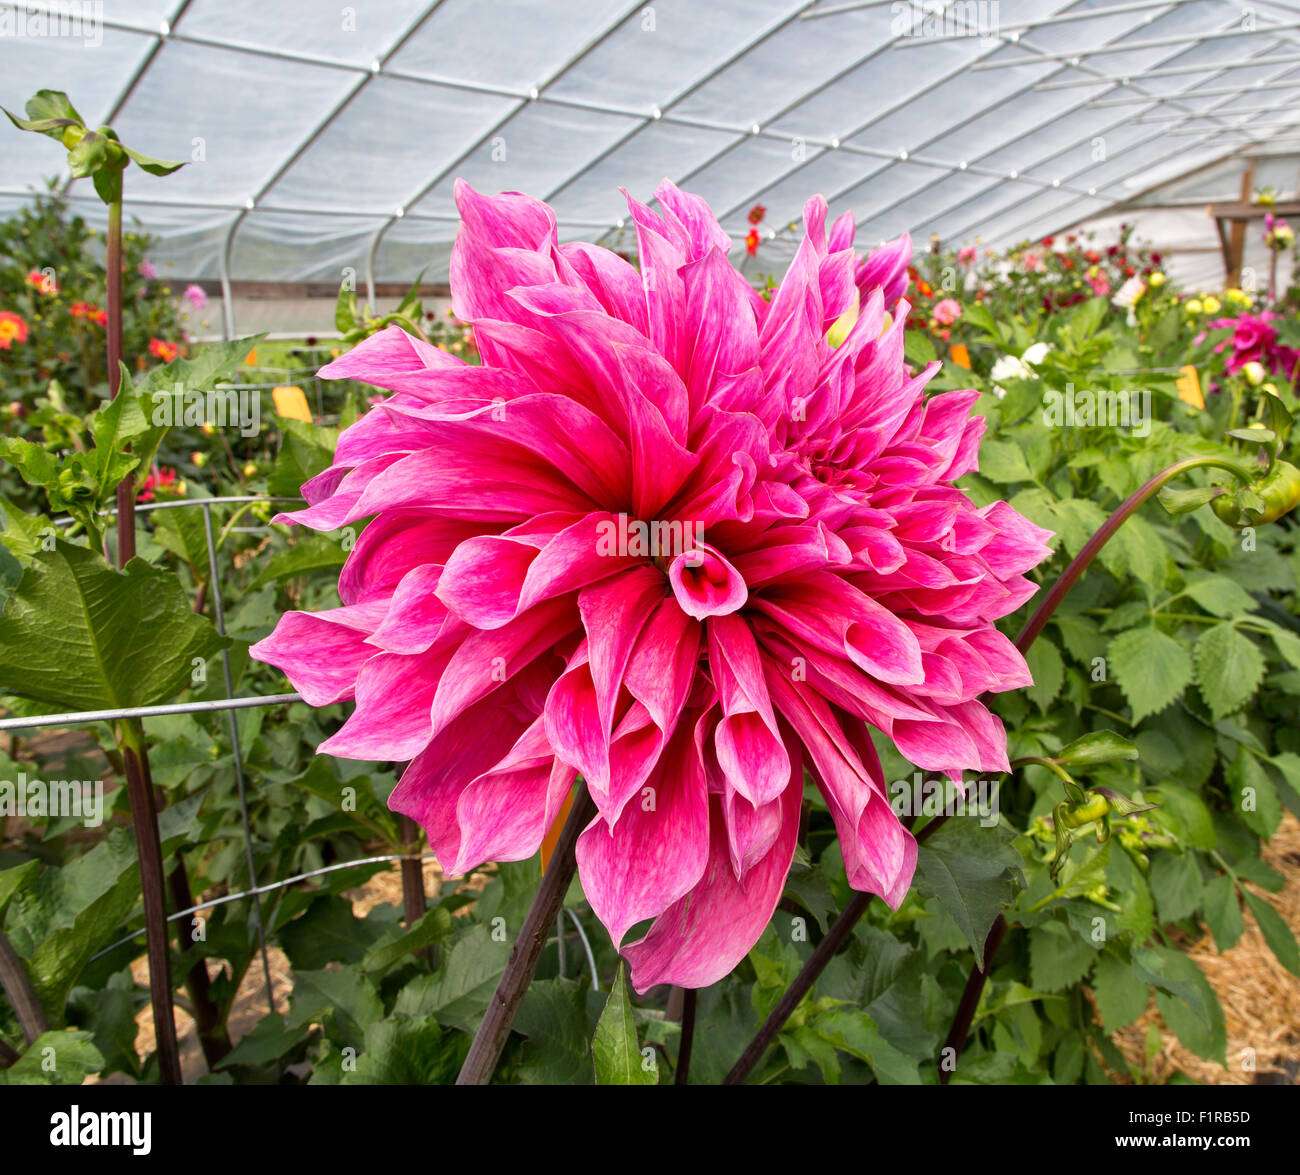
[[347, 991], [77, 634], [1185, 501], [1221, 912], [1229, 668], [918, 350], [558, 1018], [1048, 672], [35, 465], [1121, 996], [1253, 795], [55, 1058], [432, 928], [970, 870], [1003, 463], [48, 113], [1185, 999], [459, 993], [268, 1041], [1100, 746], [1058, 957], [614, 1048], [1186, 813], [1275, 931], [1176, 884], [153, 166], [1152, 669], [400, 1050], [855, 1032], [1220, 596], [314, 552]]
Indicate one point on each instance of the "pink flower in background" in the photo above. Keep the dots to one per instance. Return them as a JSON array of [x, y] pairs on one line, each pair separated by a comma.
[[966, 255], [195, 296], [1254, 340], [1032, 260], [671, 539], [946, 311], [1100, 284], [885, 269], [146, 270]]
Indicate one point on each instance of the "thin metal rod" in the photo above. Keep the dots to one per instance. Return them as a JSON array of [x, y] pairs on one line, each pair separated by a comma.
[[1190, 39], [237, 755], [586, 946], [269, 887], [1145, 75], [77, 718], [1004, 31]]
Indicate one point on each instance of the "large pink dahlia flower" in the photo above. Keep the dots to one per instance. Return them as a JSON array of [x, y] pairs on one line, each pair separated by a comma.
[[670, 539]]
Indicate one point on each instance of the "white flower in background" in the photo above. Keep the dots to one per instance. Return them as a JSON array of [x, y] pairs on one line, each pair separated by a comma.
[[1010, 367], [1127, 297], [1128, 294]]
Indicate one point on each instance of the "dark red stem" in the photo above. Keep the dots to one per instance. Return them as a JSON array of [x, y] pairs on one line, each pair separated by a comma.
[[493, 1032]]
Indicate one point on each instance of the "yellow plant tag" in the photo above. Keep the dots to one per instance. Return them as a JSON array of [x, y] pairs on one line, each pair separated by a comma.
[[1189, 387], [291, 403]]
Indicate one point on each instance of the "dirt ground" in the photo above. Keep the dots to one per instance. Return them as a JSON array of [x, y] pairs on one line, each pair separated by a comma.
[[1260, 998]]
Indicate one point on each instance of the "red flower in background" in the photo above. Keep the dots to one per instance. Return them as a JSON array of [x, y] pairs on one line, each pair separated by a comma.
[[751, 241], [757, 213], [90, 313], [42, 282], [163, 479], [12, 330], [164, 351]]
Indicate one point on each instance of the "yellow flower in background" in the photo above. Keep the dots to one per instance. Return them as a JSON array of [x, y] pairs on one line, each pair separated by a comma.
[[1212, 304], [1236, 297], [1194, 307], [1156, 280]]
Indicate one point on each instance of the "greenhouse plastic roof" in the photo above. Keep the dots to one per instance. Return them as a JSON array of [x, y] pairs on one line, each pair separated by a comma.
[[326, 137]]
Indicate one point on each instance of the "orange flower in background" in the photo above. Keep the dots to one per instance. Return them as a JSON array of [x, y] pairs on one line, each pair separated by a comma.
[[757, 213], [42, 282], [90, 313], [12, 330], [164, 351], [751, 241]]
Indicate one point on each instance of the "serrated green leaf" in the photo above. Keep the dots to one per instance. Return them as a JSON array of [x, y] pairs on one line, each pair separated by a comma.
[[1121, 996], [1048, 672], [1229, 668], [970, 870], [1152, 669], [1058, 957]]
